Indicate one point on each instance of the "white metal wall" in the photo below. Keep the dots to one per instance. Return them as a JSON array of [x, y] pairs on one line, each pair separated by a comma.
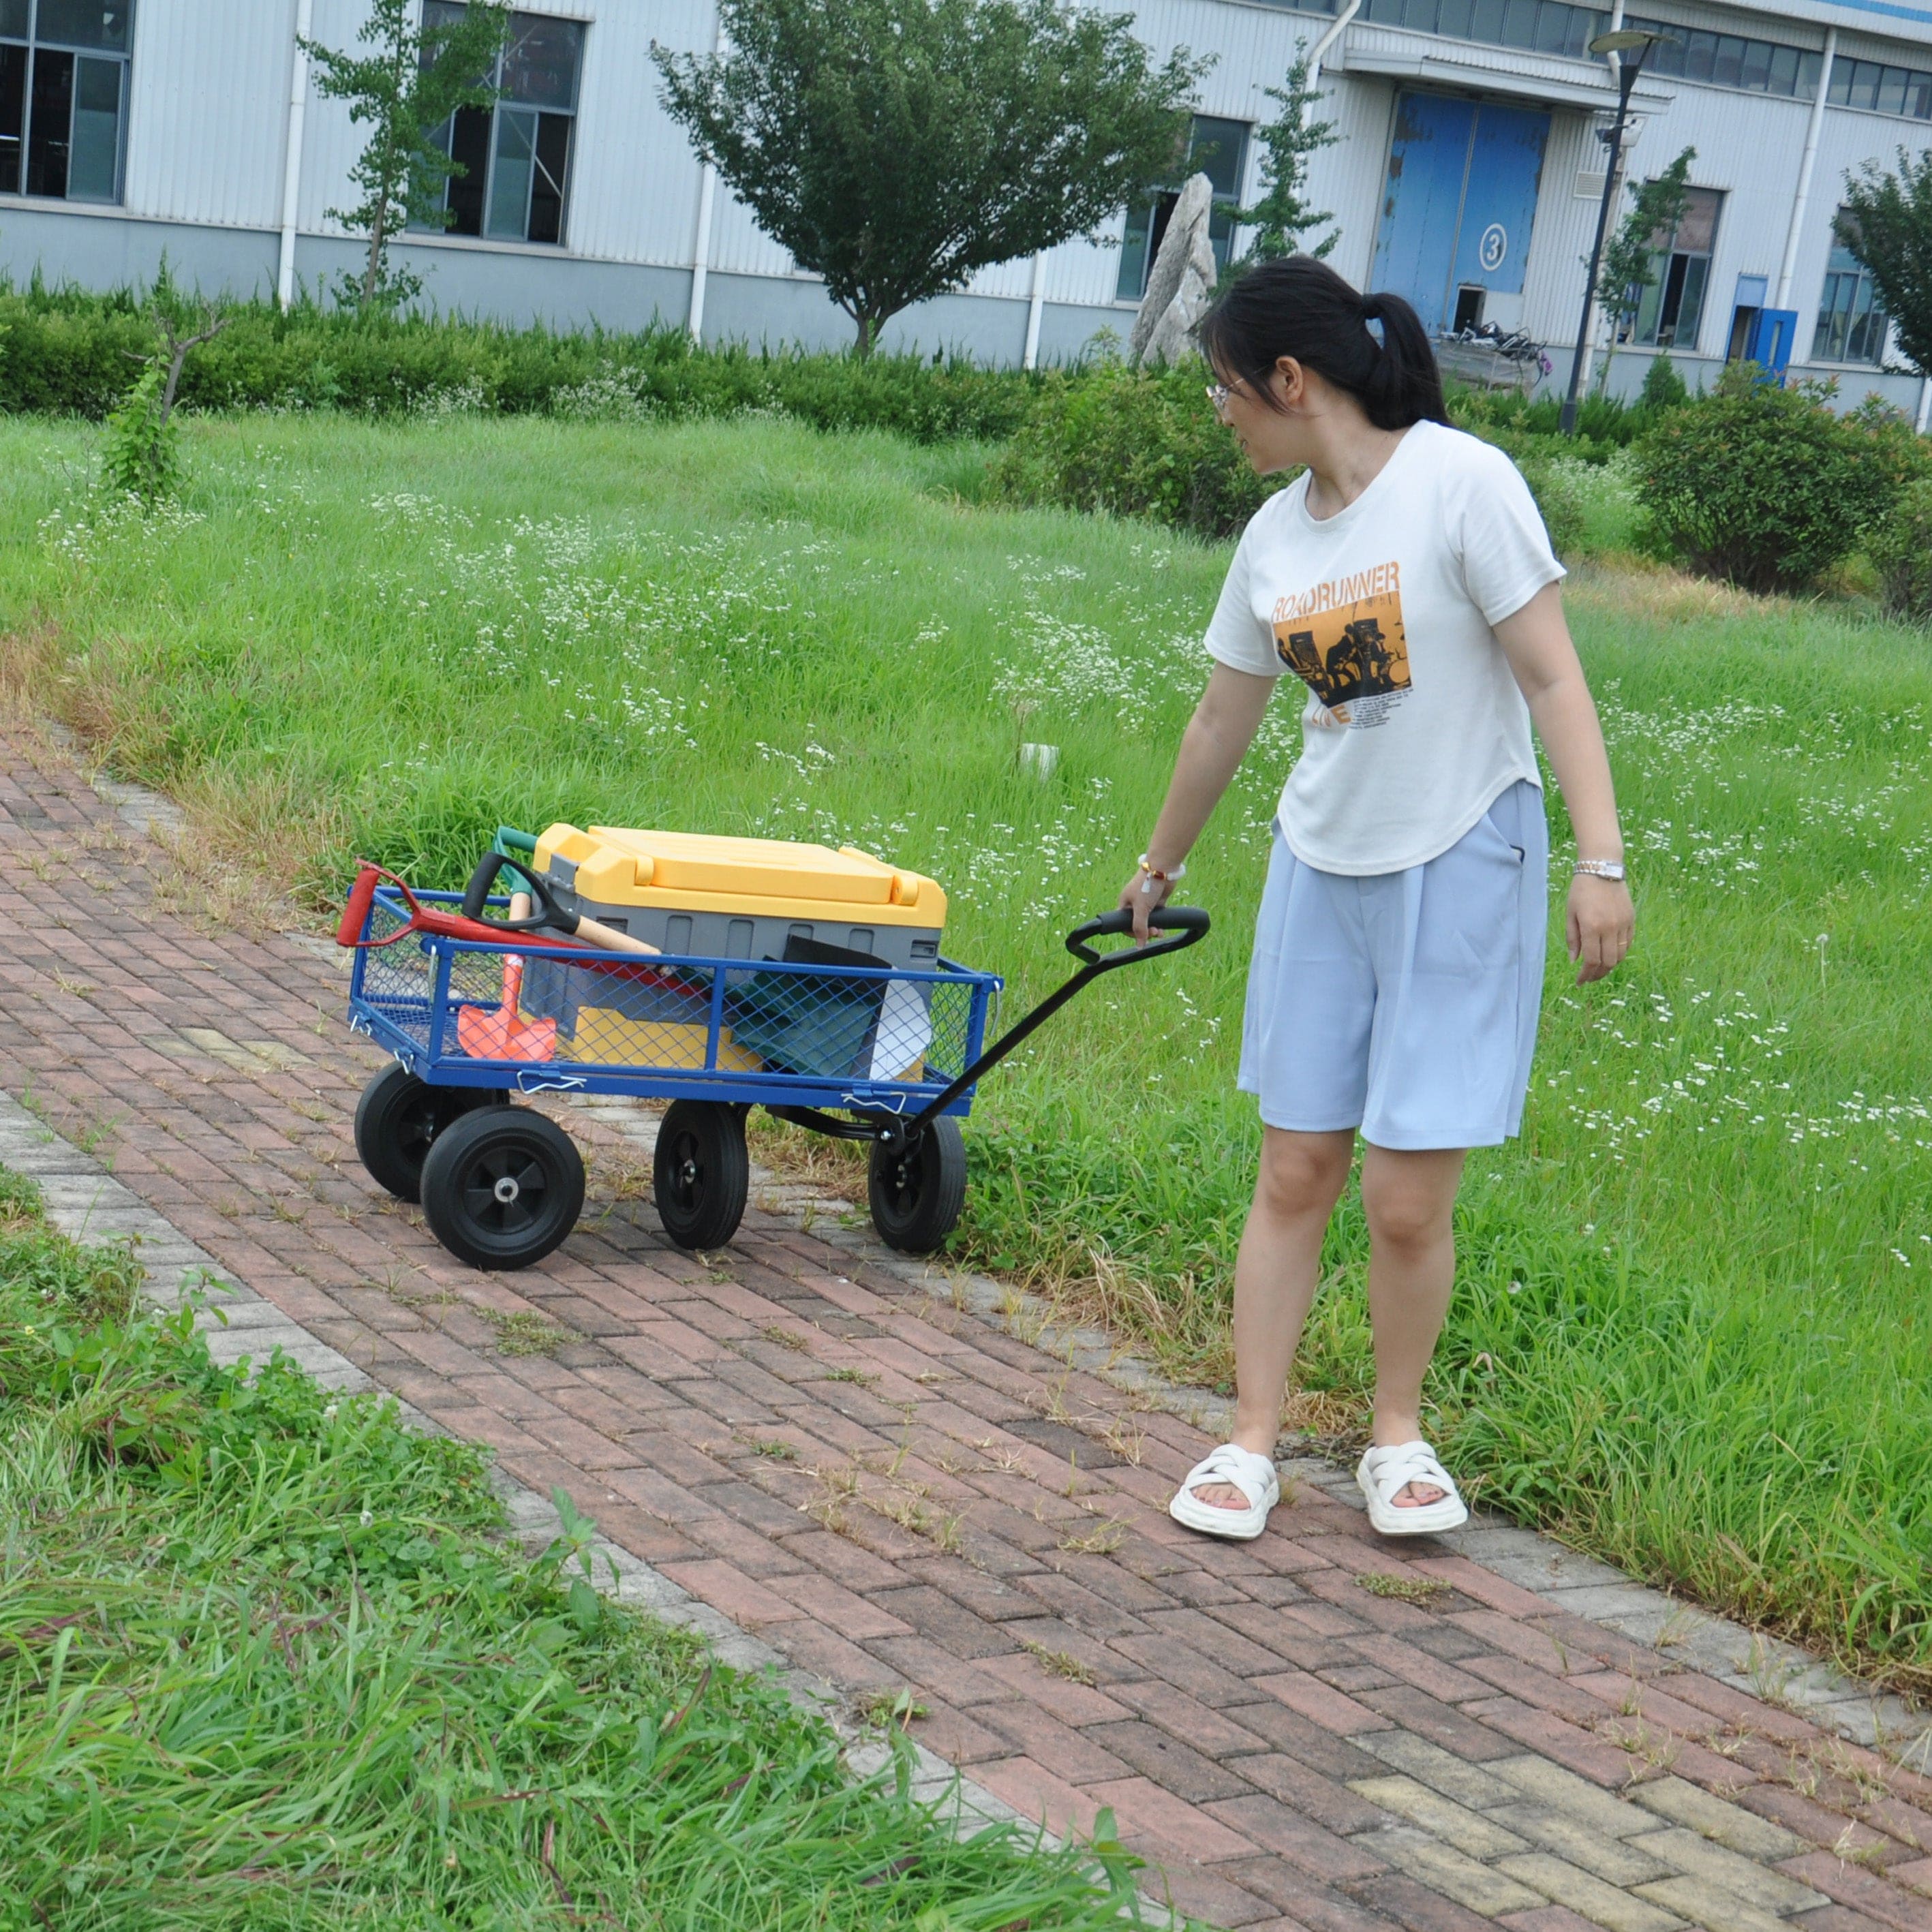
[[209, 120]]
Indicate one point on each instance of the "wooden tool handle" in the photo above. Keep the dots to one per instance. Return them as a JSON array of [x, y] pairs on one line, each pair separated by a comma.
[[610, 939]]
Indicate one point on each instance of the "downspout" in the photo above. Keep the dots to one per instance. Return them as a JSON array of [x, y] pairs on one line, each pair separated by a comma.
[[1924, 404], [700, 259], [291, 161], [1804, 168], [700, 253], [1349, 12], [1036, 301]]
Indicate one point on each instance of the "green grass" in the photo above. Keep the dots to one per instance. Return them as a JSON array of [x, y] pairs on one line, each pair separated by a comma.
[[265, 1662], [1691, 1333]]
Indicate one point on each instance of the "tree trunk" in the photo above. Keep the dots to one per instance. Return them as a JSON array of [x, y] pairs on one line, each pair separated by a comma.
[[867, 329], [376, 237]]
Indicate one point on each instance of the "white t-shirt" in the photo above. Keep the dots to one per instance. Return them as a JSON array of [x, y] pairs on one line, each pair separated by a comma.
[[1414, 725]]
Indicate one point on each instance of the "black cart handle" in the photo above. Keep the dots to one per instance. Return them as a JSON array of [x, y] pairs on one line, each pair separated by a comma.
[[478, 892], [1189, 923]]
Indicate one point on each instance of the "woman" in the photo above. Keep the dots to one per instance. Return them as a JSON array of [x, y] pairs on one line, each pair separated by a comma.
[[1406, 580]]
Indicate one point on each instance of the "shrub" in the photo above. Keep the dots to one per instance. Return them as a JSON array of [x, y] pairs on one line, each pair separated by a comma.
[[140, 454], [1553, 485], [1899, 546], [1515, 423], [1664, 387], [68, 352], [1141, 443], [1762, 486]]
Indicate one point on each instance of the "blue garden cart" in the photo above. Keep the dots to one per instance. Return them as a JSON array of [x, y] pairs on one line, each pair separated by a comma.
[[476, 1019]]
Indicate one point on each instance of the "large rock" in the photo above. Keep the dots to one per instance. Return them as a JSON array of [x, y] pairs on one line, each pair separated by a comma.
[[1182, 278]]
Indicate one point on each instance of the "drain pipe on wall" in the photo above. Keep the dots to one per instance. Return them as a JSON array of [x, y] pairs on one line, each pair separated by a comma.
[[700, 251], [292, 160], [1036, 301], [1796, 233], [1320, 47]]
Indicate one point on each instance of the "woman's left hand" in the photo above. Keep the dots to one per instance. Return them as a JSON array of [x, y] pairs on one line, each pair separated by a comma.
[[1600, 922]]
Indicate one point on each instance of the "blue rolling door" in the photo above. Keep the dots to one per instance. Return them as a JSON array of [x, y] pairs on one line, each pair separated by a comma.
[[1463, 181]]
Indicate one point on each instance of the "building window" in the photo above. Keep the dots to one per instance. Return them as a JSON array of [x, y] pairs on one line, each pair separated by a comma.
[[1218, 149], [515, 157], [1884, 90], [1673, 305], [63, 97], [1730, 60], [1536, 26], [1851, 326]]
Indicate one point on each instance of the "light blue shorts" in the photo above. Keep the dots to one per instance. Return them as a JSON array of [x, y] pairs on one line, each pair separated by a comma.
[[1405, 1003]]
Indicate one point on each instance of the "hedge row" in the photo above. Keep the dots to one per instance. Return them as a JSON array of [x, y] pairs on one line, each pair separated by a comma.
[[67, 351]]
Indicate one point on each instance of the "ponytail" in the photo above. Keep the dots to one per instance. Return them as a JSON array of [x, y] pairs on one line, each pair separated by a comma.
[[1301, 308]]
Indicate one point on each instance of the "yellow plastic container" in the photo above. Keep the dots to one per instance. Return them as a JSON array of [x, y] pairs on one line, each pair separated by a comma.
[[743, 898]]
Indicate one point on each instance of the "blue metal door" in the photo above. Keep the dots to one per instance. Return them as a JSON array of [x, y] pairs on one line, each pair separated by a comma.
[[1428, 168], [1463, 184], [1499, 204], [1770, 338]]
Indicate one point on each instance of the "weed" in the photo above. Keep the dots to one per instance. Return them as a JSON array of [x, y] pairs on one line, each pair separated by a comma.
[[888, 1710], [523, 1331], [775, 1450], [1061, 1663], [1403, 1589], [785, 1338], [865, 1378], [1102, 1540]]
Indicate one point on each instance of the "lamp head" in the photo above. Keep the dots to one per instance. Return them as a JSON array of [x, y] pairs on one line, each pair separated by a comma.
[[1627, 39]]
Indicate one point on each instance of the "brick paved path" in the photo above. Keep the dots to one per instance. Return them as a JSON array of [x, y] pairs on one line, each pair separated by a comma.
[[899, 1494]]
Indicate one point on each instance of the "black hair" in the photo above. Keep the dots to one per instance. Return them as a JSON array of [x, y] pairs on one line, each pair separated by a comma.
[[1299, 307]]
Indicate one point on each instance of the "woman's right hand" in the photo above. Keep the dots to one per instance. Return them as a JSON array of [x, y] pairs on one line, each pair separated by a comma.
[[1143, 903]]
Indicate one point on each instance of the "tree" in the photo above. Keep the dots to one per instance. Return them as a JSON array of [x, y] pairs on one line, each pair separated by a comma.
[[1281, 217], [1629, 261], [140, 454], [896, 147], [413, 81], [1886, 222]]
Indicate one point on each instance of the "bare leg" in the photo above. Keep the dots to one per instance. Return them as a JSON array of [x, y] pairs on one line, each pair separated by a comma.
[[1408, 1199], [1276, 1275]]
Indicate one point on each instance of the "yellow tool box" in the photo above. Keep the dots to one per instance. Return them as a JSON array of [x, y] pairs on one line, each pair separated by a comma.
[[743, 898], [754, 899]]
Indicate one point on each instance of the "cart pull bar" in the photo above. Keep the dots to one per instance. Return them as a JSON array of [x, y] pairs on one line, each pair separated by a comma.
[[1188, 923]]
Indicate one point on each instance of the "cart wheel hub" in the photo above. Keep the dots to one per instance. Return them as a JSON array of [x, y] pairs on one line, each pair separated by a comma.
[[506, 1190]]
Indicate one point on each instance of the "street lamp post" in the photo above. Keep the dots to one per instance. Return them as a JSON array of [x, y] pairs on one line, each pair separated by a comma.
[[1630, 44]]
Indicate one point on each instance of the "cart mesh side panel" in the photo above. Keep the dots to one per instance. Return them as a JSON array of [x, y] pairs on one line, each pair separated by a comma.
[[771, 1031], [398, 981]]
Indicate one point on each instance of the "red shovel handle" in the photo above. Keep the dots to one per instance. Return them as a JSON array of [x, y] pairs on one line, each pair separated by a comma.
[[361, 897]]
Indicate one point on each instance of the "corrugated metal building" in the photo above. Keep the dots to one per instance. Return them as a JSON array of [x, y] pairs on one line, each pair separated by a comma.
[[1466, 174]]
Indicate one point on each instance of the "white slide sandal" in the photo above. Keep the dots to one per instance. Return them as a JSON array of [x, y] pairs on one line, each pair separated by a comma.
[[1241, 1469], [1385, 1473]]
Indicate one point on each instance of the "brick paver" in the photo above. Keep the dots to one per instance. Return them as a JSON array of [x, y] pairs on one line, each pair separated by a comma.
[[970, 1519]]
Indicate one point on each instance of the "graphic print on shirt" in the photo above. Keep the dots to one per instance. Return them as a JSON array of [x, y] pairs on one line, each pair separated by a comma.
[[1344, 639]]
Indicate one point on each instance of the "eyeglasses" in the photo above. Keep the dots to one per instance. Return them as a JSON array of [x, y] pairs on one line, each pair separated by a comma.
[[1218, 394]]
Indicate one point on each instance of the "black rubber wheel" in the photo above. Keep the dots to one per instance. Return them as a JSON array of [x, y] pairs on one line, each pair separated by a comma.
[[917, 1192], [502, 1187], [399, 1116], [702, 1174]]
